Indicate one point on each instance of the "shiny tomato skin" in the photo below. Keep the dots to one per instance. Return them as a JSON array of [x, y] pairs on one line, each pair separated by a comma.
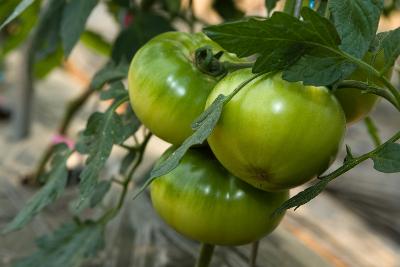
[[202, 201], [166, 89], [357, 105], [273, 134]]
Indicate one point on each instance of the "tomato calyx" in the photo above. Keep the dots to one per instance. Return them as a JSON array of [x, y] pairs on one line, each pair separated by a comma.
[[208, 63]]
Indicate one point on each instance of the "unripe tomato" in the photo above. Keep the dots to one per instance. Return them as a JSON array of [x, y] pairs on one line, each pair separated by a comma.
[[274, 134], [357, 105], [167, 91], [202, 201]]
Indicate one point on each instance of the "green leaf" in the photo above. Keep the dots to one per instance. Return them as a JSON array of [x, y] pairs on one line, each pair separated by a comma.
[[203, 126], [109, 73], [103, 130], [320, 69], [356, 22], [127, 161], [390, 43], [101, 133], [172, 6], [270, 4], [116, 90], [303, 197], [387, 160], [24, 4], [20, 27], [101, 190], [45, 65], [305, 50], [227, 9], [132, 38], [75, 14], [46, 44], [130, 123], [96, 42], [56, 181], [68, 246], [48, 29]]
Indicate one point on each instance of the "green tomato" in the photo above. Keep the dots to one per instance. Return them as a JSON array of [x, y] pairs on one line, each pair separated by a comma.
[[202, 201], [167, 91], [356, 105], [273, 134]]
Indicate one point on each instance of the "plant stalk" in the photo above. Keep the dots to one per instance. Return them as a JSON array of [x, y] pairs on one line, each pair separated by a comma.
[[109, 215], [254, 252], [372, 131], [371, 70], [205, 255], [368, 89]]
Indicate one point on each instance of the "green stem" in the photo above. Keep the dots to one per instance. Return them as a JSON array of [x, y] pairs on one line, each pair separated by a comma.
[[351, 163], [368, 89], [371, 70], [372, 131], [205, 255], [230, 66], [243, 84], [327, 13], [125, 183], [254, 252]]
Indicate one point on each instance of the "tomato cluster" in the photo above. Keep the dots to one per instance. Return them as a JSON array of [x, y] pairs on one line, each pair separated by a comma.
[[272, 136]]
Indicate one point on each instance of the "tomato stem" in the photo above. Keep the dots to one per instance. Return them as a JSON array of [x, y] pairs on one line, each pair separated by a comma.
[[254, 252], [125, 183], [206, 252], [368, 89], [355, 161], [370, 69], [372, 131]]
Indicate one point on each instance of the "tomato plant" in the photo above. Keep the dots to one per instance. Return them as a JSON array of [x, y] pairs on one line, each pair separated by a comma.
[[275, 127], [356, 104], [201, 200], [274, 134], [167, 90]]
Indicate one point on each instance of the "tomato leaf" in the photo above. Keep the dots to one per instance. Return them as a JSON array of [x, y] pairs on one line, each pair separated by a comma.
[[109, 73], [103, 130], [127, 161], [356, 22], [133, 37], [24, 4], [56, 181], [389, 42], [96, 42], [67, 246], [46, 44], [101, 190], [48, 62], [24, 24], [387, 160], [270, 5], [286, 43], [319, 70], [116, 90], [282, 37], [203, 127], [303, 197], [227, 9], [73, 22]]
